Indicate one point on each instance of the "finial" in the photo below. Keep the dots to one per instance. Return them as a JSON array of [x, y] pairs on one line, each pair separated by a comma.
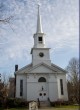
[[38, 2]]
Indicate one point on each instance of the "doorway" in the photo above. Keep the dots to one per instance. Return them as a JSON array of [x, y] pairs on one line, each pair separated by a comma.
[[43, 87]]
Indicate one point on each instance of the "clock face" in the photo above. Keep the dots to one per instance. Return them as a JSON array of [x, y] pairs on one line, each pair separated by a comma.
[[41, 54]]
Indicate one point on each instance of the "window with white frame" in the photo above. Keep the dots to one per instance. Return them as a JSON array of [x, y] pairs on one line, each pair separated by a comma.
[[21, 87], [61, 86]]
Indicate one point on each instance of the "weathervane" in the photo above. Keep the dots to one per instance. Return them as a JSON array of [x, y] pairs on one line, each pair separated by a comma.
[[38, 3]]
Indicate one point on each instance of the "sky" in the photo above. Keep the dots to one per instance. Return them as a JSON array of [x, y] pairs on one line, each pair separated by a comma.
[[60, 22]]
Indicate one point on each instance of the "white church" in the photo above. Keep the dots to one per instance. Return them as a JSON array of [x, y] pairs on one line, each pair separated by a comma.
[[41, 79]]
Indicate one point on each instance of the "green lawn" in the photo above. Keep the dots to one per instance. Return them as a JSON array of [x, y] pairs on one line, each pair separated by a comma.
[[49, 108]]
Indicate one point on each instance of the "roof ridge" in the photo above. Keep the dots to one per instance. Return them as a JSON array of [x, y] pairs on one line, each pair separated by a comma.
[[58, 67]]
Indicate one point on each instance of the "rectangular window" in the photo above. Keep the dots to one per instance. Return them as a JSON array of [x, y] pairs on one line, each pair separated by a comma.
[[61, 85], [21, 87], [40, 39]]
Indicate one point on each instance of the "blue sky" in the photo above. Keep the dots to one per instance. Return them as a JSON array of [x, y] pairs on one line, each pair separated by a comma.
[[60, 21]]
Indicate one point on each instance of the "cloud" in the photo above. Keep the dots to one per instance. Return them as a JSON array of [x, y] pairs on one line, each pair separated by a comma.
[[60, 24]]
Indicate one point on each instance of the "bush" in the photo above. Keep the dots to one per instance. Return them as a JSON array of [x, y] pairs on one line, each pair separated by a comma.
[[16, 102], [10, 102], [1, 102], [59, 103]]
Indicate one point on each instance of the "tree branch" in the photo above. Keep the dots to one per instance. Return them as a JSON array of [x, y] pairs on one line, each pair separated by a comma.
[[6, 20]]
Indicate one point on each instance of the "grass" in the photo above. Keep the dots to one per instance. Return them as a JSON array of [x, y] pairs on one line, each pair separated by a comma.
[[69, 107], [15, 109]]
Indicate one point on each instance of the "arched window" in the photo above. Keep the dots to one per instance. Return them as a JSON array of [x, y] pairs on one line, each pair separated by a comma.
[[41, 79]]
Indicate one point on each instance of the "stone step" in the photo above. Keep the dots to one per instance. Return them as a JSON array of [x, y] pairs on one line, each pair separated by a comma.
[[44, 104]]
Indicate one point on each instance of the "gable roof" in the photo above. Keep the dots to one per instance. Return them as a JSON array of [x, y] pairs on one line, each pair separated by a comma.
[[57, 68], [23, 68], [38, 68]]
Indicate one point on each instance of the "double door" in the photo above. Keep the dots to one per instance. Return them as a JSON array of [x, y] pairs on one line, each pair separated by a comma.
[[43, 92]]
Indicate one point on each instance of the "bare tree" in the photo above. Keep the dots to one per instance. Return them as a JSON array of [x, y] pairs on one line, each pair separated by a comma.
[[73, 80], [4, 88], [6, 20]]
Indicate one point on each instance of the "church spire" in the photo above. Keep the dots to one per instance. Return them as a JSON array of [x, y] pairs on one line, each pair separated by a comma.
[[39, 39], [39, 25]]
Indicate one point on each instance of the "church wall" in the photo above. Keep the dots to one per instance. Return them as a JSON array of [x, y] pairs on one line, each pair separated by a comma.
[[18, 78], [65, 95], [52, 77], [53, 90], [34, 87], [33, 77]]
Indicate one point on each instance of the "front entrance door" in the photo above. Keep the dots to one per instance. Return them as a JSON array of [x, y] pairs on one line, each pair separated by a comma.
[[43, 95], [43, 89]]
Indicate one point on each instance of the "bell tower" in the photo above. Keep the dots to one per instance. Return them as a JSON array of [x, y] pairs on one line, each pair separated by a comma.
[[39, 51]]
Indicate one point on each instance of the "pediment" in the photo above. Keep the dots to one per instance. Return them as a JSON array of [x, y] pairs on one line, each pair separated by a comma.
[[42, 68]]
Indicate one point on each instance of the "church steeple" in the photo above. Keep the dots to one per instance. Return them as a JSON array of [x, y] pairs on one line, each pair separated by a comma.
[[40, 54], [39, 25], [39, 39]]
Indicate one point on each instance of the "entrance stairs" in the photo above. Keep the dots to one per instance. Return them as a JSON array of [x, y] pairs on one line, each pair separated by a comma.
[[44, 104]]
